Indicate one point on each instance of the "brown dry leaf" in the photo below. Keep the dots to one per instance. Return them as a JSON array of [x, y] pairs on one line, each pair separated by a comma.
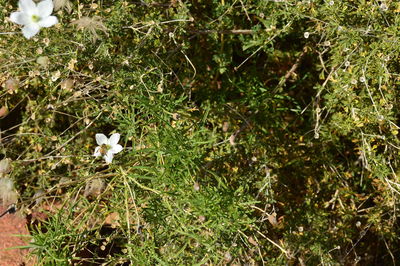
[[225, 126], [232, 139], [3, 112], [176, 116], [112, 219], [272, 219], [252, 241], [196, 186]]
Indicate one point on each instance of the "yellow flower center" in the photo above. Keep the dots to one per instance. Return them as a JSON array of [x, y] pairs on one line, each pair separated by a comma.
[[104, 148], [35, 18]]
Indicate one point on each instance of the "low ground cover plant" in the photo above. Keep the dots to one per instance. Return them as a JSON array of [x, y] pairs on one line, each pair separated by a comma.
[[202, 132]]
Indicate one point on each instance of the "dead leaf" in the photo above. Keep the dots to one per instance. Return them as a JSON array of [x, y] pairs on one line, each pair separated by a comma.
[[3, 112], [252, 241], [112, 219], [272, 219]]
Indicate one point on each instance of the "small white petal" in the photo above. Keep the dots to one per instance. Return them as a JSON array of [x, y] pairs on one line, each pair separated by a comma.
[[97, 152], [19, 18], [101, 139], [108, 157], [48, 21], [116, 148], [114, 139], [28, 6], [45, 8], [30, 30]]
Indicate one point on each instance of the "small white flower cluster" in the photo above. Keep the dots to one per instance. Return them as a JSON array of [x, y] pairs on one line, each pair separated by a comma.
[[34, 16]]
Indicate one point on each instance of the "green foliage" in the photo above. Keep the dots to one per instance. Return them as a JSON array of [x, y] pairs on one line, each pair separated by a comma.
[[253, 131]]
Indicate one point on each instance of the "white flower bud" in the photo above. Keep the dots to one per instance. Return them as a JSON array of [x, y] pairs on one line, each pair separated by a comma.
[[384, 7]]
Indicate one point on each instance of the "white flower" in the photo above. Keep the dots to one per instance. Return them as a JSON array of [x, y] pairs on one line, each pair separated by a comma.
[[107, 147], [306, 34], [384, 7], [34, 16]]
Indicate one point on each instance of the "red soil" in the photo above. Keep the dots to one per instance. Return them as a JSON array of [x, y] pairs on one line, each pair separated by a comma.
[[12, 225]]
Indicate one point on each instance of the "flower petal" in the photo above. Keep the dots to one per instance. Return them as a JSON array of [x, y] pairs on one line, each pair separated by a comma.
[[28, 6], [108, 157], [101, 139], [48, 21], [114, 139], [19, 18], [30, 30], [45, 8], [97, 152], [116, 148]]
